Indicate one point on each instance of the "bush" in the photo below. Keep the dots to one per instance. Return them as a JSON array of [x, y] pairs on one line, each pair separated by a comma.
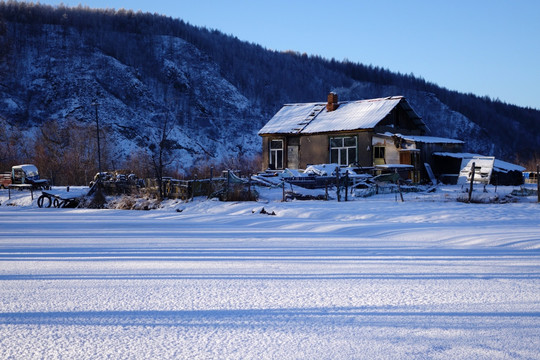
[[133, 203], [238, 193], [485, 198]]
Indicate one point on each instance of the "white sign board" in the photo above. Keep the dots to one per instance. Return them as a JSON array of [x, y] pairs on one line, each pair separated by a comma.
[[483, 167]]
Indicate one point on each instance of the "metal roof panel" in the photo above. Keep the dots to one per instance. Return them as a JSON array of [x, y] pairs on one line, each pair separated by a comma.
[[311, 118]]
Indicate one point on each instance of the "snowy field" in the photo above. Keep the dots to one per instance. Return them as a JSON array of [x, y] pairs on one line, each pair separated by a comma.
[[429, 278]]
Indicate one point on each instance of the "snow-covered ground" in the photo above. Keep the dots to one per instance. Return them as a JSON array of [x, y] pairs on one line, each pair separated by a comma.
[[374, 278]]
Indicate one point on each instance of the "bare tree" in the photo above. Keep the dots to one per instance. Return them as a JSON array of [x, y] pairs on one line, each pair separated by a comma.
[[161, 150], [139, 163], [66, 151]]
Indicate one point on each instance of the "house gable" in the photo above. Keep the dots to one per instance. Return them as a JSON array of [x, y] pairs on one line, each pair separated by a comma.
[[402, 119]]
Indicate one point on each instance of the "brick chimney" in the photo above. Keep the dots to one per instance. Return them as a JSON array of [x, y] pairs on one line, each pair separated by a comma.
[[332, 102]]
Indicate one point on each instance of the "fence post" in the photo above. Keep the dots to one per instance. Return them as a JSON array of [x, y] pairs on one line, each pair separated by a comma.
[[346, 185], [211, 185], [249, 187], [472, 181], [399, 188], [326, 191], [337, 185], [228, 183], [538, 181]]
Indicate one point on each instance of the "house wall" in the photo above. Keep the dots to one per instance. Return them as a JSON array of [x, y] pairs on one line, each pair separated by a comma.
[[429, 149], [365, 150], [266, 150], [265, 155], [313, 150], [391, 155]]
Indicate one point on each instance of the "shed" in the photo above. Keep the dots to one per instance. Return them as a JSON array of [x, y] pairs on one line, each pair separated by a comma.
[[415, 150], [447, 167]]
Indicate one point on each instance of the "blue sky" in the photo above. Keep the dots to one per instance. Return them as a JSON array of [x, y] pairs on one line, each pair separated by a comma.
[[479, 46]]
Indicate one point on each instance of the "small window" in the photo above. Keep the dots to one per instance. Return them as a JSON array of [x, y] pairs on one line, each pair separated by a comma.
[[349, 142], [276, 154], [378, 152], [343, 150], [336, 142], [18, 174]]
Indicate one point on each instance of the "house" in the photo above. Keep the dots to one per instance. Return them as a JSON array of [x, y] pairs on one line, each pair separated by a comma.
[[364, 133]]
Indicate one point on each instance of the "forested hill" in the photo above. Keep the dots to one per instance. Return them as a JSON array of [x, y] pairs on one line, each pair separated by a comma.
[[210, 91]]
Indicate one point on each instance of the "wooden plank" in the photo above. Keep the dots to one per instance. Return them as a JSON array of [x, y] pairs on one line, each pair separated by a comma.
[[430, 174]]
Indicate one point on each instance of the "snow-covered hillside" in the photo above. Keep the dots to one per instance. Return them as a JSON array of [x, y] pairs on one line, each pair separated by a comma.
[[429, 278], [59, 74], [215, 90]]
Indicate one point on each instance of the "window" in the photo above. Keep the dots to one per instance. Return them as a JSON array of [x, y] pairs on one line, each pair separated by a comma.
[[378, 152], [18, 175], [276, 154], [343, 150]]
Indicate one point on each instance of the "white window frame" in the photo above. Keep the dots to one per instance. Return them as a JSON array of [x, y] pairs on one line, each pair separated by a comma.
[[276, 154], [342, 151]]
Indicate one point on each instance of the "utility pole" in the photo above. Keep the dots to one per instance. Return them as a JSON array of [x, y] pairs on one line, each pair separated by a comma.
[[96, 104], [98, 200], [538, 181]]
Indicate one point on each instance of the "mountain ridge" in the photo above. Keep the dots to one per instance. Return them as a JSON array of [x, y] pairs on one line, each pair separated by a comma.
[[213, 90]]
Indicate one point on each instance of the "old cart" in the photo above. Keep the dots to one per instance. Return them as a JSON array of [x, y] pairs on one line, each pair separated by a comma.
[[61, 198]]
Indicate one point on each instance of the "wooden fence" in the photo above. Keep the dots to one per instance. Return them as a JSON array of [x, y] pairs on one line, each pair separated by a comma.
[[185, 189]]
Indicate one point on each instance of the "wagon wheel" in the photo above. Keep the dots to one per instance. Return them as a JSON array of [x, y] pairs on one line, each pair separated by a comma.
[[41, 201], [58, 203]]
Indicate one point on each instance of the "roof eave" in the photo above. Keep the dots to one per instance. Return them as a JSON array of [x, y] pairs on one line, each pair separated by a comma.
[[343, 131]]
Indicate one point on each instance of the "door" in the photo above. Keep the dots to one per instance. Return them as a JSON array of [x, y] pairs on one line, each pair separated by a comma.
[[292, 157], [405, 157]]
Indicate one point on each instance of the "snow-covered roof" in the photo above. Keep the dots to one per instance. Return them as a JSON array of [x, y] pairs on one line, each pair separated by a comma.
[[328, 170], [394, 166], [29, 169], [424, 139], [431, 139], [311, 118], [499, 165]]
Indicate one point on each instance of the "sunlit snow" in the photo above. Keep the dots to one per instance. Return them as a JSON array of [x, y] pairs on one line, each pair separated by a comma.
[[371, 278]]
